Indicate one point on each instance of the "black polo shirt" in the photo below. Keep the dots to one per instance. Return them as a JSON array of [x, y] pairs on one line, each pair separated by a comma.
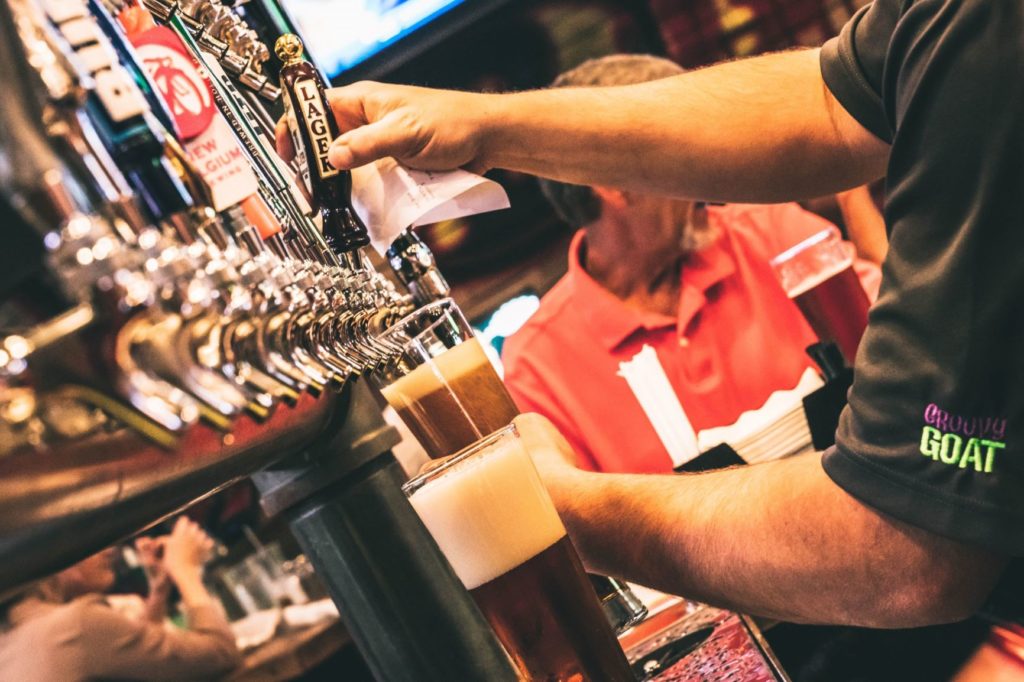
[[934, 432]]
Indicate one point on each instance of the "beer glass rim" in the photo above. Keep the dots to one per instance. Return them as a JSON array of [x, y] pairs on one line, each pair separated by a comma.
[[396, 331], [797, 249], [447, 465]]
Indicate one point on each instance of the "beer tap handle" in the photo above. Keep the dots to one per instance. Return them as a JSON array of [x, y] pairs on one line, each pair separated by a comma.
[[250, 237], [272, 174], [72, 132], [258, 214], [130, 61], [198, 188], [313, 128], [279, 246]]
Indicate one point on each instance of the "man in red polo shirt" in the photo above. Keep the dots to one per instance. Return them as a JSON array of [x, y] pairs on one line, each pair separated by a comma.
[[692, 282]]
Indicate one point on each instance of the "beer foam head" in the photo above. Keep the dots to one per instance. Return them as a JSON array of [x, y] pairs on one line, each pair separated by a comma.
[[455, 362], [812, 280], [489, 513]]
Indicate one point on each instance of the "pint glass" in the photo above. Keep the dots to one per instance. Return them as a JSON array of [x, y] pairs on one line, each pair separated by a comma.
[[443, 386], [494, 521], [447, 392], [817, 274]]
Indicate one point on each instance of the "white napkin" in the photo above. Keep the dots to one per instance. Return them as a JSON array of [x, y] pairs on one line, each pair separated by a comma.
[[780, 419], [649, 383], [390, 197], [304, 615], [256, 628]]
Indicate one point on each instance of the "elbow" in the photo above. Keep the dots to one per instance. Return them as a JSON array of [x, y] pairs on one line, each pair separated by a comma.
[[230, 657], [928, 597], [933, 605], [221, 657]]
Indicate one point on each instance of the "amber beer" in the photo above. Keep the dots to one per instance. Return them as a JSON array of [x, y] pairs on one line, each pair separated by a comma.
[[491, 516], [836, 307], [452, 401], [449, 395], [817, 274]]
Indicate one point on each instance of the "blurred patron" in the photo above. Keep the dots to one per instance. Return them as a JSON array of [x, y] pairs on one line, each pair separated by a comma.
[[64, 630], [690, 280]]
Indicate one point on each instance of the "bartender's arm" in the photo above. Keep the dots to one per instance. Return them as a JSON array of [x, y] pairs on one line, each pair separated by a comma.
[[778, 539], [759, 130]]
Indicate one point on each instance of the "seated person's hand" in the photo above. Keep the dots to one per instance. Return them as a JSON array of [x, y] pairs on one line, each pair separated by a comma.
[[150, 552], [186, 549], [551, 452]]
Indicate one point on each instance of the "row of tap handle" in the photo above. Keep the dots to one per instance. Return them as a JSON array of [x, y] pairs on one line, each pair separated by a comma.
[[183, 314]]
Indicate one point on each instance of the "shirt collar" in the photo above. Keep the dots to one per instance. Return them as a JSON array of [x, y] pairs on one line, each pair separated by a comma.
[[704, 269], [610, 321]]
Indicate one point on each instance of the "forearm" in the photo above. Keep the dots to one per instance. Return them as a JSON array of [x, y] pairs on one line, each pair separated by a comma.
[[210, 637], [156, 605], [757, 130], [191, 588], [778, 540]]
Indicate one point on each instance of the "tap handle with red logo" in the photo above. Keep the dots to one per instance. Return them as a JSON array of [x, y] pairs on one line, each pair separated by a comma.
[[313, 128]]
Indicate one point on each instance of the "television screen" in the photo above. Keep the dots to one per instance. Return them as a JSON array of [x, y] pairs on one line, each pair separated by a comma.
[[342, 34]]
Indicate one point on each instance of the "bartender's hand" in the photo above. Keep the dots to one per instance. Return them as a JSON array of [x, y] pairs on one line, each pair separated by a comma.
[[551, 452], [422, 128]]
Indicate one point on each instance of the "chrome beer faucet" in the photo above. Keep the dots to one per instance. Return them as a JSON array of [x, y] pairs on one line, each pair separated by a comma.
[[411, 259], [95, 266]]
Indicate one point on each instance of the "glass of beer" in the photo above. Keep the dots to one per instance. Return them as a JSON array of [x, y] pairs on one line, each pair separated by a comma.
[[443, 386], [448, 393], [817, 274], [495, 523]]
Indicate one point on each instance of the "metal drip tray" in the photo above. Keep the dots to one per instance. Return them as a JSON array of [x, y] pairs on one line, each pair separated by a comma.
[[665, 657], [703, 645]]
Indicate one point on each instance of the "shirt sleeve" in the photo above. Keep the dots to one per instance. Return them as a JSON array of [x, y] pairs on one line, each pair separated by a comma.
[[114, 646], [930, 435], [853, 62]]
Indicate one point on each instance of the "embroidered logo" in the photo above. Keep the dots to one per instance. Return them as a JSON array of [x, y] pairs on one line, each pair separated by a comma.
[[964, 442]]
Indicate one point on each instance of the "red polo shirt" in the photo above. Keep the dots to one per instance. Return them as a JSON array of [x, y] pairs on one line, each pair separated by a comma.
[[736, 339]]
